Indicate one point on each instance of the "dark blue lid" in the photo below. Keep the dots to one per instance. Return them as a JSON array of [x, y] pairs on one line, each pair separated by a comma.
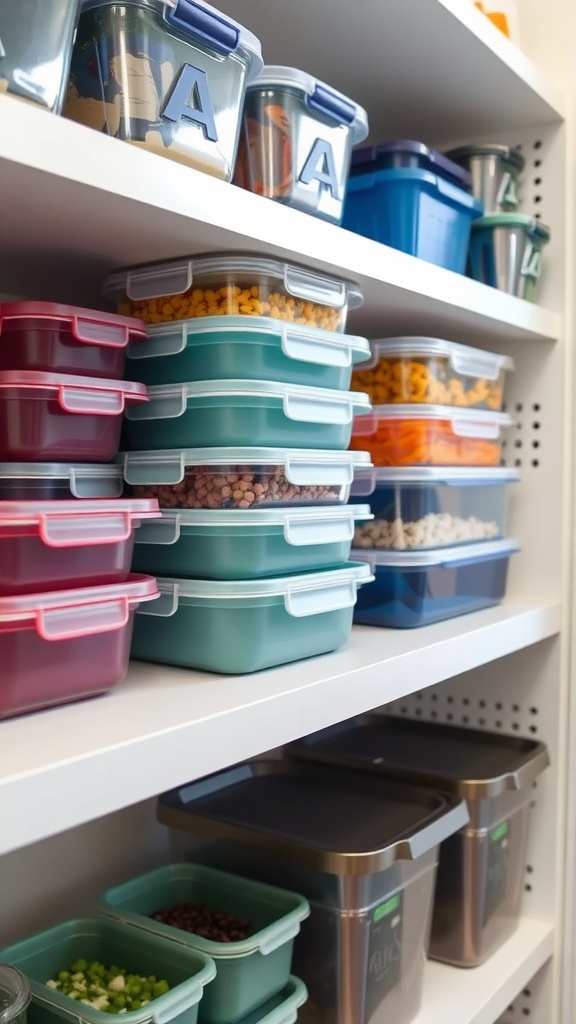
[[407, 153]]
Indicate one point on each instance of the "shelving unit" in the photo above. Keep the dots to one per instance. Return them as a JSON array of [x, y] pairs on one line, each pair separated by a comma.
[[75, 205]]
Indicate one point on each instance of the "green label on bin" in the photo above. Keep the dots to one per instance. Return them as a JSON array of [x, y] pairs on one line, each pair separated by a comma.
[[384, 952], [496, 869]]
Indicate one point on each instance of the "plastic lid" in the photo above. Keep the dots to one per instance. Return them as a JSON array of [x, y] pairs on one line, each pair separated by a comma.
[[87, 325], [14, 993], [444, 558], [428, 158], [174, 277], [319, 97], [367, 480], [82, 478], [265, 516], [533, 226], [304, 466], [463, 422], [83, 395], [506, 153], [470, 362], [67, 524], [272, 587]]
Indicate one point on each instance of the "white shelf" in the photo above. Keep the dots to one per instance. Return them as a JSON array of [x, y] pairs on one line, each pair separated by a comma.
[[480, 996], [166, 725], [75, 204]]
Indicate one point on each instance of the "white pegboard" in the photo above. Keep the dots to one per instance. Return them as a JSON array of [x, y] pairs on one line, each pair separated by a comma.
[[533, 1004]]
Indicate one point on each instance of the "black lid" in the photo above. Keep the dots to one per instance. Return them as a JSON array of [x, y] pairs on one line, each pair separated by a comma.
[[407, 152]]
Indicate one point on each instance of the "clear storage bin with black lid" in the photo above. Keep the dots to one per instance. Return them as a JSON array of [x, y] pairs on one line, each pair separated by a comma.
[[14, 995], [364, 852], [481, 869]]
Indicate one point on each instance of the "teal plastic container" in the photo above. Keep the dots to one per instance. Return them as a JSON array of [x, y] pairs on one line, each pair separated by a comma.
[[220, 414], [41, 956], [247, 625], [222, 347], [247, 544], [248, 972]]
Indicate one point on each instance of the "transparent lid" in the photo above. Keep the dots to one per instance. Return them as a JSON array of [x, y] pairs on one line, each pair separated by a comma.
[[470, 362], [258, 389], [367, 479], [58, 471], [14, 993], [319, 96], [535, 228], [463, 554], [37, 379], [266, 516], [174, 277], [67, 524], [506, 153], [275, 586], [463, 422], [303, 466]]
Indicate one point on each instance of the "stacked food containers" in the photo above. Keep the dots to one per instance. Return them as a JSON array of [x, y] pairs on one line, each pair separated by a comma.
[[66, 594], [244, 443], [437, 545]]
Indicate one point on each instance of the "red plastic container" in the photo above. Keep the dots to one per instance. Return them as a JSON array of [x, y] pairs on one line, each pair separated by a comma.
[[68, 645], [45, 417], [67, 339], [45, 545]]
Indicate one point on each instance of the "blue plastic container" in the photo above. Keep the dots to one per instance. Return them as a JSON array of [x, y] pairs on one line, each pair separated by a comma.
[[414, 210], [416, 588], [408, 153]]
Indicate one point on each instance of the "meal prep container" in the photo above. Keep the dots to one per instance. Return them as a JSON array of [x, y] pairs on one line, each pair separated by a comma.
[[404, 195], [223, 347], [248, 972], [430, 435], [245, 625], [428, 507], [166, 75], [14, 995], [296, 141], [227, 478], [506, 253], [244, 412], [67, 645], [231, 285], [43, 955], [495, 171], [35, 48], [482, 867], [49, 416], [433, 371], [362, 849], [46, 545], [247, 544], [51, 481], [416, 588], [65, 339]]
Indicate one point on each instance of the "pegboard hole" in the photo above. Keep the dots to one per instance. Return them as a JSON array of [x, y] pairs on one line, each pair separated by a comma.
[[533, 711], [518, 444], [537, 163], [536, 407], [528, 888], [535, 463], [519, 407], [497, 724], [538, 144], [537, 181]]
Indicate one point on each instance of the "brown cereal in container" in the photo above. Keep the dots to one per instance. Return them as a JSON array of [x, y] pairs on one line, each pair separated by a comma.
[[216, 487]]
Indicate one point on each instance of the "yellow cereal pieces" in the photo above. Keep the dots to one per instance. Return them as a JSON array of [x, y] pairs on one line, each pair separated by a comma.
[[426, 381]]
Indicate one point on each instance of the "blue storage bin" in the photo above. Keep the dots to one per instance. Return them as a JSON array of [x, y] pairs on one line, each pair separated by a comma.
[[413, 210], [416, 588], [408, 153]]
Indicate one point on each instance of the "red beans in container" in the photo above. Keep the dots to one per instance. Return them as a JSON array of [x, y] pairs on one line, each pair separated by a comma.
[[46, 417], [60, 647], [45, 545], [65, 339]]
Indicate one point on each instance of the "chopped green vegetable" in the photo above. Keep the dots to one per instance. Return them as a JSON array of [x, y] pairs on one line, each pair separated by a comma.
[[109, 989]]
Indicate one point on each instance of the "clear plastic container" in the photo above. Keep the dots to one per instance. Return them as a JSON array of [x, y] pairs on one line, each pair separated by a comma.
[[44, 954], [230, 285], [60, 647], [35, 49], [243, 478], [506, 253], [495, 171], [433, 371], [416, 588], [166, 75], [242, 626], [430, 507], [48, 545], [430, 435], [14, 995], [65, 339], [249, 971], [247, 544], [481, 871], [244, 412], [53, 481], [296, 141], [362, 849], [222, 347], [45, 417]]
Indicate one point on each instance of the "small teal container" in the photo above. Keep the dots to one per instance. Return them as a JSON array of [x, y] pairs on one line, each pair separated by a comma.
[[247, 544], [248, 973], [228, 413], [414, 210], [240, 626], [223, 347], [506, 253]]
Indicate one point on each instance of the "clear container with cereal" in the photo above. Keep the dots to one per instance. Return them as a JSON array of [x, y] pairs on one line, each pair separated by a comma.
[[433, 371], [233, 284], [242, 478]]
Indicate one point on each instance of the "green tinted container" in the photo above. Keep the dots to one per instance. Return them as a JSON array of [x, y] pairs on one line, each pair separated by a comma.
[[220, 414], [248, 972], [222, 347], [41, 956], [247, 544], [243, 626]]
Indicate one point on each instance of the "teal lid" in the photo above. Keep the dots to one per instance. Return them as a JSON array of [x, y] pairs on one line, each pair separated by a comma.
[[533, 226]]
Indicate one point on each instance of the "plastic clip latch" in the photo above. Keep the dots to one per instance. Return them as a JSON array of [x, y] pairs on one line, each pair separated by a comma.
[[212, 28], [329, 103]]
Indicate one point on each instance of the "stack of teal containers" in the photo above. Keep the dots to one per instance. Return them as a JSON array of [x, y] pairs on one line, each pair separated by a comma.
[[244, 444]]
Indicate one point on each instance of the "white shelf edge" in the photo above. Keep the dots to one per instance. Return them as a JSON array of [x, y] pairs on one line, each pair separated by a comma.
[[165, 726], [480, 995]]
